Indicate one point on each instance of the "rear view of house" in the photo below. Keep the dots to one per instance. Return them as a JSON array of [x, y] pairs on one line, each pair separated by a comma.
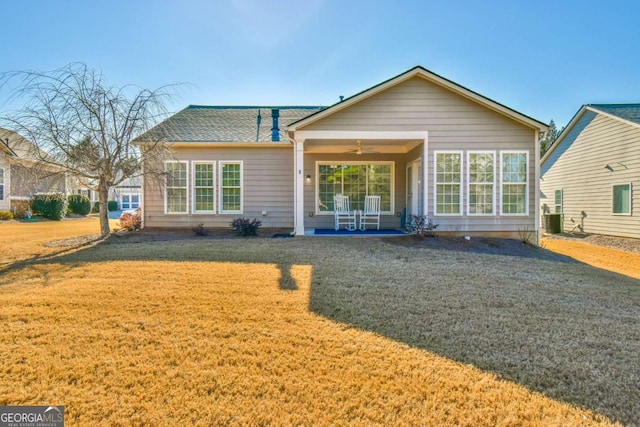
[[424, 144], [591, 173]]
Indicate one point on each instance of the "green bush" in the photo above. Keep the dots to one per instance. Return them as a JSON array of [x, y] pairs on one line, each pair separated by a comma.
[[112, 205], [79, 204], [6, 215], [52, 206], [96, 207]]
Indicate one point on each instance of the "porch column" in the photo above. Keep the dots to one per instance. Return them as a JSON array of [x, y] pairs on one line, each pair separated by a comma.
[[299, 187], [425, 175]]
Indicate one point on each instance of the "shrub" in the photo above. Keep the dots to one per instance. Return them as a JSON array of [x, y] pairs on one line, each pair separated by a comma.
[[96, 207], [79, 204], [52, 206], [422, 226], [112, 205], [131, 221], [6, 215], [199, 230], [246, 226]]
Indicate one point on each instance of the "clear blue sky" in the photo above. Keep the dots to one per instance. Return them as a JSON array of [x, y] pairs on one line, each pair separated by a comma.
[[543, 58]]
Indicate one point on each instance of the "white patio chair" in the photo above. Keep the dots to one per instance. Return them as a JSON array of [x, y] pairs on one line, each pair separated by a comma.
[[343, 216], [371, 213]]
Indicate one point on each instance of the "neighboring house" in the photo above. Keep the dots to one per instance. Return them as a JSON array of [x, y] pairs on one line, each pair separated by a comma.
[[127, 194], [425, 144], [20, 174], [591, 173]]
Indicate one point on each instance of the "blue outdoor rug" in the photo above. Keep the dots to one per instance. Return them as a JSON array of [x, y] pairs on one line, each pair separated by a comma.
[[342, 232]]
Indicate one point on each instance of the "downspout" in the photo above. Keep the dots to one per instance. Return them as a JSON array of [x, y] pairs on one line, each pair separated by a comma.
[[295, 184]]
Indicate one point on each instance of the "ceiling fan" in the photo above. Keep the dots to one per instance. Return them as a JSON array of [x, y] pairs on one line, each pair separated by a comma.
[[361, 150]]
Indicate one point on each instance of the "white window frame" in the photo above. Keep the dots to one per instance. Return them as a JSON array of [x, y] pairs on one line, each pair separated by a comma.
[[435, 182], [613, 200], [3, 183], [130, 196], [193, 187], [166, 199], [469, 183], [221, 164], [392, 164], [526, 183], [555, 204]]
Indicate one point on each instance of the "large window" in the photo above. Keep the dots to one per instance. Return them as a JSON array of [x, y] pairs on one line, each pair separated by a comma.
[[622, 199], [1, 184], [130, 201], [355, 180], [481, 183], [176, 187], [514, 182], [204, 187], [448, 179], [230, 187]]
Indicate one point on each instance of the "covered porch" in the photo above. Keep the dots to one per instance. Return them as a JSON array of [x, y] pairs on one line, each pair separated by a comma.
[[388, 164]]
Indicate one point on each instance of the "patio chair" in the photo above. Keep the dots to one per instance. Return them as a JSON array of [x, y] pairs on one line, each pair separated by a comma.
[[371, 213], [343, 216]]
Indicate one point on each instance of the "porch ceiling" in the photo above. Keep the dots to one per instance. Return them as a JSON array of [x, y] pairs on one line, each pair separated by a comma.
[[381, 146]]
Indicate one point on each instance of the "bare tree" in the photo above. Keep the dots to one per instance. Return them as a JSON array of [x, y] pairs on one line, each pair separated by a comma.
[[80, 124]]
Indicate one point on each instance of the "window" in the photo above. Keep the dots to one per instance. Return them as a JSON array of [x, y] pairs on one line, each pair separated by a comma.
[[622, 199], [448, 179], [514, 182], [481, 183], [1, 184], [176, 187], [230, 187], [130, 201], [355, 180], [204, 194], [558, 201]]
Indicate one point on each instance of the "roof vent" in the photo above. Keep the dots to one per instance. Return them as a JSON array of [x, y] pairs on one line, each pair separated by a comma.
[[275, 130]]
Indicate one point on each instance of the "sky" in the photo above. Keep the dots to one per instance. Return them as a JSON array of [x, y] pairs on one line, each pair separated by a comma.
[[544, 58]]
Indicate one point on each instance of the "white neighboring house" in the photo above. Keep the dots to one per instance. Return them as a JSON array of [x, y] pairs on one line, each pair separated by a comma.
[[128, 193], [592, 172]]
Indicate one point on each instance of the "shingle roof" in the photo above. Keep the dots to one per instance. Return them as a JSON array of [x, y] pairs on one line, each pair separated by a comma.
[[198, 123], [630, 112]]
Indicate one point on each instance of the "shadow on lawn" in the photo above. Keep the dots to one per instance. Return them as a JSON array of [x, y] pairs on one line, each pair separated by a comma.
[[544, 321]]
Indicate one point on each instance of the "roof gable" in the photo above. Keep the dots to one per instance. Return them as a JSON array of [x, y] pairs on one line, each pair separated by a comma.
[[622, 113], [432, 77]]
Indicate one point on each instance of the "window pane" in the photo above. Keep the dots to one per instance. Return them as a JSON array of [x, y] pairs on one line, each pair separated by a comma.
[[481, 199], [481, 183], [558, 201], [176, 200], [514, 183], [204, 199], [514, 198], [622, 199], [231, 187], [176, 174], [1, 184], [379, 184], [204, 175], [448, 179]]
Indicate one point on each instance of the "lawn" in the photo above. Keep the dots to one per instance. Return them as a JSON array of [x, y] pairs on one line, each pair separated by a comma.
[[142, 330]]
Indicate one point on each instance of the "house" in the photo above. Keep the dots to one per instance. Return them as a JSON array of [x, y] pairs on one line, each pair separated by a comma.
[[590, 174], [426, 145], [127, 194], [20, 174]]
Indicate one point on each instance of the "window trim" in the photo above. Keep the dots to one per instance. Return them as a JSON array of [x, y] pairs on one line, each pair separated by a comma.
[[186, 187], [435, 183], [555, 202], [613, 199], [193, 187], [469, 183], [130, 196], [526, 183], [221, 164], [392, 184]]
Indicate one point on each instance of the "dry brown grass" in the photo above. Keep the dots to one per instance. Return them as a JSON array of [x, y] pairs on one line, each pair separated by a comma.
[[318, 331]]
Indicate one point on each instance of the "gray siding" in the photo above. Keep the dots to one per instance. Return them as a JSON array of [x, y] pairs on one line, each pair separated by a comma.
[[577, 167], [5, 204], [453, 123], [267, 186]]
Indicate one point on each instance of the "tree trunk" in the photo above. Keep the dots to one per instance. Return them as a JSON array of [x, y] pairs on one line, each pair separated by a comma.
[[103, 200]]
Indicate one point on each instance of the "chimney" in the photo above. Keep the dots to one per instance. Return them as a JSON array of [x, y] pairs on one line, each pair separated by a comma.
[[275, 131]]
